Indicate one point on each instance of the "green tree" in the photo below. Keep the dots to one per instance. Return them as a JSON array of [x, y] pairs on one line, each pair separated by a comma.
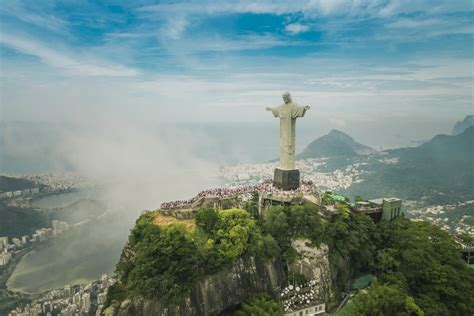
[[252, 205], [275, 222], [431, 266], [260, 306], [206, 219], [233, 231], [466, 238], [384, 300], [165, 263], [386, 261], [304, 221]]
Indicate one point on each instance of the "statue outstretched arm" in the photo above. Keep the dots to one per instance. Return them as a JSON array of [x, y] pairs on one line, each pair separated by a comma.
[[299, 111], [274, 111]]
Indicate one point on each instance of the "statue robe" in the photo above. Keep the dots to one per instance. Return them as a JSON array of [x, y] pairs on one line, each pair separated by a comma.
[[288, 113]]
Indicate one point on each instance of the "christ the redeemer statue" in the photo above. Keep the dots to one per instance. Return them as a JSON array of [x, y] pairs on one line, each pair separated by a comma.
[[286, 176]]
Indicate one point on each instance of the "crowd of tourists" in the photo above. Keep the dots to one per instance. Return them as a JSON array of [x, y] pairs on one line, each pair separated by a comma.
[[265, 187]]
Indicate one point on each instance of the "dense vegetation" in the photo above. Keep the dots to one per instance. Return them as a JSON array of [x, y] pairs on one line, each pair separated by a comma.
[[384, 300], [420, 272], [351, 237], [423, 261], [260, 306], [418, 267], [16, 221], [169, 260], [437, 172], [13, 184]]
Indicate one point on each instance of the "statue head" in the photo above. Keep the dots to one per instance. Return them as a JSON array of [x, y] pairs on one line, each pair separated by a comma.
[[287, 97]]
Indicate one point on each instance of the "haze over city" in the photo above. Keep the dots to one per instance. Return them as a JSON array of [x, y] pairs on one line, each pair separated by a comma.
[[316, 150]]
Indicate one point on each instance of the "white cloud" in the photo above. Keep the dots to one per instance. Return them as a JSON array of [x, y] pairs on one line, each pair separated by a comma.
[[295, 28], [221, 44], [414, 23], [278, 7], [414, 29], [32, 16], [175, 14], [174, 27], [65, 61], [397, 7]]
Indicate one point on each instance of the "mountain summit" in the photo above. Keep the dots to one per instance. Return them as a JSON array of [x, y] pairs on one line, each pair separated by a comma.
[[437, 172], [336, 143], [461, 126]]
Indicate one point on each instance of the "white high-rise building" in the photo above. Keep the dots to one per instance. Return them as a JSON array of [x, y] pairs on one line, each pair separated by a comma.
[[77, 299], [86, 301], [4, 242], [101, 298], [17, 242], [67, 291], [5, 257]]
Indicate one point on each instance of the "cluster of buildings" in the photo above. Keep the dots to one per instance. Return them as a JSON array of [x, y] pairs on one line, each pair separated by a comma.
[[247, 174], [441, 215], [48, 183], [58, 182], [250, 174], [5, 256], [18, 193], [7, 249], [87, 299]]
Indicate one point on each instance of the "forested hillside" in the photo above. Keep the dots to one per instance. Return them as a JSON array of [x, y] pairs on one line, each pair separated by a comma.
[[439, 171], [419, 268]]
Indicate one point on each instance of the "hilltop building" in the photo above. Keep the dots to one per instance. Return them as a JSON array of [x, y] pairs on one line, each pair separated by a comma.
[[380, 209], [312, 310]]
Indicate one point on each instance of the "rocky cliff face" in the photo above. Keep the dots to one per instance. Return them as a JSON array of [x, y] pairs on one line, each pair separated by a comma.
[[215, 294], [224, 291], [314, 265]]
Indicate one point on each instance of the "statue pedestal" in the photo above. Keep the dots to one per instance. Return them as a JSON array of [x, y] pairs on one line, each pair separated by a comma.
[[286, 179]]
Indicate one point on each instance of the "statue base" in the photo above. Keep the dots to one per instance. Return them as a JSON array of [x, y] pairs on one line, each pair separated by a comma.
[[286, 179]]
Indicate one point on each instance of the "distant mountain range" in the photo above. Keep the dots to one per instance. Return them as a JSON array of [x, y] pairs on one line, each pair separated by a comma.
[[438, 171], [461, 126], [335, 144]]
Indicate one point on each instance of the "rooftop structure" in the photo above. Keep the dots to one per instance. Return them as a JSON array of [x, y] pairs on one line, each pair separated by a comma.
[[311, 310], [380, 209]]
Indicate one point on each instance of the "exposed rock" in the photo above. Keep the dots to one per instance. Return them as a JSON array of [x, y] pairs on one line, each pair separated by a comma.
[[215, 294], [313, 263]]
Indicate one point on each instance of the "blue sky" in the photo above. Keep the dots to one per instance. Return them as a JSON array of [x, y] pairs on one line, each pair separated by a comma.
[[355, 62]]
